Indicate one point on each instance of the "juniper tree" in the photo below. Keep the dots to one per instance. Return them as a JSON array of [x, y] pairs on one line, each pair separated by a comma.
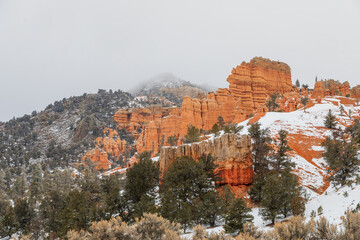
[[215, 130], [184, 185], [193, 134], [260, 148], [342, 157], [282, 161], [330, 120], [142, 178], [171, 140], [271, 103], [237, 216], [277, 194], [221, 122], [304, 101]]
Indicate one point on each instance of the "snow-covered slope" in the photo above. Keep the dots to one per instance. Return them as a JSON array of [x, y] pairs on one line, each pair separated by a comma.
[[306, 133]]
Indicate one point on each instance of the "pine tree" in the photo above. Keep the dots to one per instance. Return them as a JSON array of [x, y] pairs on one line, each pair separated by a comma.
[[342, 157], [330, 120], [271, 103], [227, 197], [193, 134], [184, 184], [282, 161], [142, 178], [237, 216], [24, 214], [171, 140], [277, 194], [260, 148], [232, 128], [220, 122], [297, 83], [209, 208], [36, 185], [304, 101], [342, 110], [215, 129]]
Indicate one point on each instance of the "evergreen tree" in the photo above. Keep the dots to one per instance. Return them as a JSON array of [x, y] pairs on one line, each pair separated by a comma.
[[7, 219], [237, 216], [142, 178], [277, 194], [256, 189], [260, 148], [330, 120], [297, 83], [232, 128], [207, 163], [342, 157], [342, 110], [304, 101], [184, 184], [354, 131], [209, 208], [282, 161], [36, 185], [215, 129], [221, 122], [226, 197], [316, 79], [271, 103], [193, 134], [115, 203], [24, 214], [171, 140]]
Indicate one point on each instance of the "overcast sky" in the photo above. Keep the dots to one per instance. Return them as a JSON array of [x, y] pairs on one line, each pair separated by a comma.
[[55, 49]]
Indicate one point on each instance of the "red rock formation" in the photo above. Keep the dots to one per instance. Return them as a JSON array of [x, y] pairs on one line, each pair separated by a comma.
[[231, 152], [330, 88], [253, 81], [201, 113], [355, 92], [109, 145], [99, 157]]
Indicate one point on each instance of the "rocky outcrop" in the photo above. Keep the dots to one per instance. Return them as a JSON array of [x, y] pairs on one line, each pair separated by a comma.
[[252, 82], [138, 118], [109, 145], [231, 152], [330, 88], [201, 113], [355, 92]]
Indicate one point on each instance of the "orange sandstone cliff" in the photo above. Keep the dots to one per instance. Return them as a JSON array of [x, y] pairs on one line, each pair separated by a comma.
[[231, 152], [250, 85], [330, 88], [252, 82]]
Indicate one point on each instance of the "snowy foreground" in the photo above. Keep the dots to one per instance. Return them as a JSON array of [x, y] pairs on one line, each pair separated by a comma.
[[307, 130]]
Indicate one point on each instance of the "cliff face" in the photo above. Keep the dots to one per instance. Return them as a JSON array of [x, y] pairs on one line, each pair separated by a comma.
[[330, 88], [231, 152], [201, 113], [109, 145], [355, 92], [253, 81], [250, 85]]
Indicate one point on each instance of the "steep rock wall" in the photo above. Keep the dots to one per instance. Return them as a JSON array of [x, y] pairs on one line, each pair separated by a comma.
[[252, 82], [201, 113], [330, 88], [231, 152]]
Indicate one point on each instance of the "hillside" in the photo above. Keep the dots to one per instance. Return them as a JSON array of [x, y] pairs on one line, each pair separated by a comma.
[[170, 87]]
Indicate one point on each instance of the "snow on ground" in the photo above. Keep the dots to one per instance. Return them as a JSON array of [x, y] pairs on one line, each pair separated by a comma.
[[334, 202]]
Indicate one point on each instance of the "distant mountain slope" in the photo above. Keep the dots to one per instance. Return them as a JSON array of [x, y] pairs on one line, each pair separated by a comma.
[[63, 131], [171, 87]]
